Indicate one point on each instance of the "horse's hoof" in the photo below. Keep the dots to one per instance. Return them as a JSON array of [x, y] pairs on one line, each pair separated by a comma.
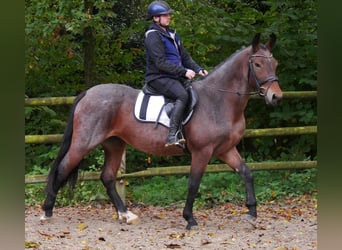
[[251, 221], [129, 217], [194, 227], [45, 218]]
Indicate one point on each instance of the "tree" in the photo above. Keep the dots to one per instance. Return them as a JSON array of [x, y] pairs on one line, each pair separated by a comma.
[[61, 41]]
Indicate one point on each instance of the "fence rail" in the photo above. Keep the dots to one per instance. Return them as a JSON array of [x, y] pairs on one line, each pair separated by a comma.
[[53, 101], [182, 170]]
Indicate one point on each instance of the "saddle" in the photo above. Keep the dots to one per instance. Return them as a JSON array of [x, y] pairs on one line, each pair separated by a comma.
[[150, 106]]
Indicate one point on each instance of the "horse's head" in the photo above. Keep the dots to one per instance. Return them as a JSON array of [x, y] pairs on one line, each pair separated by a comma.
[[262, 70]]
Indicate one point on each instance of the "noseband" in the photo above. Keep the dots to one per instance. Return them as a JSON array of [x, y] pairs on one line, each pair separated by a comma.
[[259, 83]]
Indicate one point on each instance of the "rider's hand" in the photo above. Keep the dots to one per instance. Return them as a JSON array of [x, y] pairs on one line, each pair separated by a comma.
[[203, 72], [190, 74]]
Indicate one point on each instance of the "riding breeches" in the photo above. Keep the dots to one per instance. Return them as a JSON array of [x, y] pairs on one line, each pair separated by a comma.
[[170, 88]]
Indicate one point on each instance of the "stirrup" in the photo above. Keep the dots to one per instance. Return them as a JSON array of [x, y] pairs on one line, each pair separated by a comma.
[[179, 140]]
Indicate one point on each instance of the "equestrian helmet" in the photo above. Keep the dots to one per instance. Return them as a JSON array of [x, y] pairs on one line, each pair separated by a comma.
[[157, 8]]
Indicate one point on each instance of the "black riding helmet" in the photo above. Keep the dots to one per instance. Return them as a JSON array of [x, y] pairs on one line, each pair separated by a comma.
[[157, 8]]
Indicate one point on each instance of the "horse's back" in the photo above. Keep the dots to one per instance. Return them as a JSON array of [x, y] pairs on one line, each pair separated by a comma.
[[108, 96], [109, 90], [104, 101]]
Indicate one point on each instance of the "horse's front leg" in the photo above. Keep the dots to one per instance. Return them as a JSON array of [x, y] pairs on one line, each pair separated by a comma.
[[198, 165], [234, 160], [193, 186]]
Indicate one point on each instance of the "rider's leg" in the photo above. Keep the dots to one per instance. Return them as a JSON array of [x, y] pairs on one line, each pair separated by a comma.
[[176, 119], [174, 90]]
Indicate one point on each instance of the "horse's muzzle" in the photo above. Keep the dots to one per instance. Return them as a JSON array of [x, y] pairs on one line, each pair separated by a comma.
[[273, 94], [275, 100]]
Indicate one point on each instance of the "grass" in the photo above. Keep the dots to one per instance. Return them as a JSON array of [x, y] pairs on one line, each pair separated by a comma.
[[218, 188]]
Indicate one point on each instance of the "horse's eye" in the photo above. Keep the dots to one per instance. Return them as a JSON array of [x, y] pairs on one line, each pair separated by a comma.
[[257, 65]]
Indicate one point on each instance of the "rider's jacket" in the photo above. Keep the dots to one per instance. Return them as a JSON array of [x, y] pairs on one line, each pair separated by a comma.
[[165, 55]]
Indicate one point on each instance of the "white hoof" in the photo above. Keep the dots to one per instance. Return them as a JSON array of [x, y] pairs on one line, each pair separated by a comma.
[[129, 217], [44, 218]]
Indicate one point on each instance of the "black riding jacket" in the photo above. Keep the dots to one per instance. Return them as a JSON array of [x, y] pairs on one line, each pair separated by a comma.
[[165, 55]]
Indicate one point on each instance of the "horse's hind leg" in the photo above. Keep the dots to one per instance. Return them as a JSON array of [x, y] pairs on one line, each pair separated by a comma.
[[66, 163], [114, 148], [247, 177], [64, 169]]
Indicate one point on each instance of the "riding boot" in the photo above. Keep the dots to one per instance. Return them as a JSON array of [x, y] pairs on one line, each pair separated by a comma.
[[176, 118]]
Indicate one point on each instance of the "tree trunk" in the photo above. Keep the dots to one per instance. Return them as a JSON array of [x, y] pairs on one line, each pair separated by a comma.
[[89, 48]]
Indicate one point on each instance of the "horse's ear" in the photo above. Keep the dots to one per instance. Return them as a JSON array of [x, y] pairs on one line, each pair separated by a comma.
[[271, 42], [256, 42]]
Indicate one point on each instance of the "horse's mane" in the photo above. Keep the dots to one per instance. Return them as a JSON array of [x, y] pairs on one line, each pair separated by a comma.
[[262, 46], [227, 60]]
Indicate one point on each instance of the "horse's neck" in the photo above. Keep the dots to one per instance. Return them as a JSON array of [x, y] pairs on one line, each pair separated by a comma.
[[229, 82]]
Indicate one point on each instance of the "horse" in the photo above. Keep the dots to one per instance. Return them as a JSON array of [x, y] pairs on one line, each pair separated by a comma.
[[103, 115]]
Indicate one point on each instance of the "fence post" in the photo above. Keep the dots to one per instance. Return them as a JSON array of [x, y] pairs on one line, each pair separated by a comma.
[[120, 183]]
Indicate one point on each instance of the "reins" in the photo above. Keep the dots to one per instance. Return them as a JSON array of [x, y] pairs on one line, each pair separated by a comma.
[[234, 92]]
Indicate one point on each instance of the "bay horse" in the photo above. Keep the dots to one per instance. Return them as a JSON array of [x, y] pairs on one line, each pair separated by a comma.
[[103, 115]]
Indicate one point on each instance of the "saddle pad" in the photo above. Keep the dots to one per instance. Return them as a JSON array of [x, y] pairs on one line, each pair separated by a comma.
[[148, 107]]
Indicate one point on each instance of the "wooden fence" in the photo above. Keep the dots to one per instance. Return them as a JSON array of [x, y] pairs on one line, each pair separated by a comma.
[[175, 170]]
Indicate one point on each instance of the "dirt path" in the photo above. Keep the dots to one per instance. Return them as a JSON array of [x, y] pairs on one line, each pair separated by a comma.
[[290, 225]]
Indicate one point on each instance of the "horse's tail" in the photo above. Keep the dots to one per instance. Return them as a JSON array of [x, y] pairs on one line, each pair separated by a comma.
[[66, 142]]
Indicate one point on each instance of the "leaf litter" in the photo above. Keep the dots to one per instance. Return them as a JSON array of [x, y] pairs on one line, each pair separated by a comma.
[[288, 225]]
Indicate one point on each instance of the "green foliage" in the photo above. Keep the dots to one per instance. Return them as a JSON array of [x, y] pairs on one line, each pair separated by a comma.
[[218, 188], [84, 193], [39, 157], [55, 40], [275, 185], [42, 120], [34, 194], [159, 190], [295, 22], [55, 34]]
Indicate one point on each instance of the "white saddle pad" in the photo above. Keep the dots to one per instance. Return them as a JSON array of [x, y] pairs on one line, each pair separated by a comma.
[[151, 108], [147, 109]]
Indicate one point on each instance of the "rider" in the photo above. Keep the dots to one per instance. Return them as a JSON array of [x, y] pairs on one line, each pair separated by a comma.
[[168, 64]]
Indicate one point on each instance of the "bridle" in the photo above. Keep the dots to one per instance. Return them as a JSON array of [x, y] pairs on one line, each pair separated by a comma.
[[259, 83]]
